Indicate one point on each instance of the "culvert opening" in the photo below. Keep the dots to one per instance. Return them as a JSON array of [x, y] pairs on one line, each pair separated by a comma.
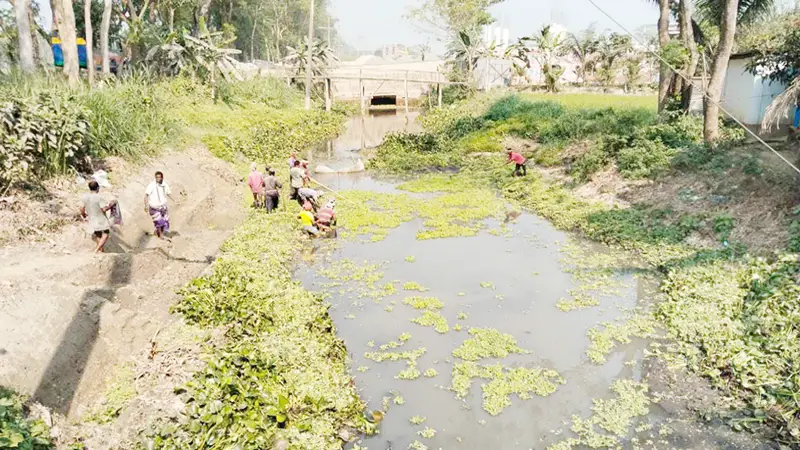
[[383, 100]]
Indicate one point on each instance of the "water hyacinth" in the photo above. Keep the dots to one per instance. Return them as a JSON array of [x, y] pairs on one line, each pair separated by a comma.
[[487, 343], [432, 319], [580, 301], [503, 382], [424, 302], [427, 433], [281, 349], [417, 420], [603, 338], [416, 445], [614, 416], [413, 286]]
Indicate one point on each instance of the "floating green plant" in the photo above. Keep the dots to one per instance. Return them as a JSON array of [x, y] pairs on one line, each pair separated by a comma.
[[427, 433], [503, 382], [410, 259], [604, 337], [487, 343], [430, 373], [580, 301], [417, 420], [432, 319], [424, 302], [414, 286]]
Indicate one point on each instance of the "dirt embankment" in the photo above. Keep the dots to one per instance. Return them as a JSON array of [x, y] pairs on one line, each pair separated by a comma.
[[69, 319]]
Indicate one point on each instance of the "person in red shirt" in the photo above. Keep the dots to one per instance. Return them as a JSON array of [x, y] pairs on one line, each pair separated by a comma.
[[519, 160], [256, 182]]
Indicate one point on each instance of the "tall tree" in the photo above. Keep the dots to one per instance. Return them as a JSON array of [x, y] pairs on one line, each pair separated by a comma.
[[87, 24], [583, 48], [26, 61], [65, 17], [665, 74], [685, 19], [104, 27]]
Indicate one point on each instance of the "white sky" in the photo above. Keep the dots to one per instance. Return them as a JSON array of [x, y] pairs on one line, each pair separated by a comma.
[[370, 24]]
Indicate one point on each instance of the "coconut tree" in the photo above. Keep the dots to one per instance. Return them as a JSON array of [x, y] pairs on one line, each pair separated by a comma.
[[26, 62], [727, 14], [322, 57], [685, 20], [663, 39], [583, 47], [548, 46], [105, 24], [65, 18], [519, 53], [87, 26]]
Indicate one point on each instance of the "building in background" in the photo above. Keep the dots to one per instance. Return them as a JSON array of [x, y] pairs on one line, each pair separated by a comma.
[[394, 51]]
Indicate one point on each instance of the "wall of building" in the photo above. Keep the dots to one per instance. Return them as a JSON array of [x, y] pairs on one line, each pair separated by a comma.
[[747, 96]]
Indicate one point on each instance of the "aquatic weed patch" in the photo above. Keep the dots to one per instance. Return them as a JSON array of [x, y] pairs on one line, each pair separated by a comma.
[[614, 416], [432, 319], [487, 343], [503, 382], [281, 374], [604, 337]]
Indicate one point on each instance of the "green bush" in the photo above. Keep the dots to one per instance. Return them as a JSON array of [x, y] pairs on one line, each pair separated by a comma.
[[592, 161], [644, 158], [16, 430], [40, 136]]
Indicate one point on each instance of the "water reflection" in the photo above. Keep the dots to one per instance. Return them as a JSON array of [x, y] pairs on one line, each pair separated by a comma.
[[361, 133]]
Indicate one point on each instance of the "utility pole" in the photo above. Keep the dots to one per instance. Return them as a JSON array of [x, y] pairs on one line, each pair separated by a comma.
[[310, 50]]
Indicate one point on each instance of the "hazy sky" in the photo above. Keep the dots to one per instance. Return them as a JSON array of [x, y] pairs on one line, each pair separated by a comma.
[[369, 24]]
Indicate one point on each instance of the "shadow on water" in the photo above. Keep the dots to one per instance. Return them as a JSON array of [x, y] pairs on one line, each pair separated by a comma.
[[528, 277]]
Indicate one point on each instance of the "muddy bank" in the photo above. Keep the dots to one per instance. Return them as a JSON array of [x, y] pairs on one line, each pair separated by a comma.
[[70, 320]]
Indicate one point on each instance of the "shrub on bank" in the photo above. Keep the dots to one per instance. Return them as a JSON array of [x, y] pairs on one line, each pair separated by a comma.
[[48, 129]]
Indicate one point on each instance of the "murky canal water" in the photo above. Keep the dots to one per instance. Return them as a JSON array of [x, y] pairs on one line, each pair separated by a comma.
[[525, 270], [525, 266], [510, 281]]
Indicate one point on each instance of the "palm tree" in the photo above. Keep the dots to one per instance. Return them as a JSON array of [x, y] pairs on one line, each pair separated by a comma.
[[519, 54], [781, 105], [548, 45], [322, 57], [105, 24], [65, 18], [26, 62], [663, 39], [727, 14], [583, 48], [463, 53]]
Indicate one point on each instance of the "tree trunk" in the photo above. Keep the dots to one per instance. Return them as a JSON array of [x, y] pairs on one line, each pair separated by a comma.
[[727, 33], [87, 21], [69, 45], [104, 26], [171, 19], [663, 40], [687, 35], [53, 13], [252, 39], [37, 57], [26, 62]]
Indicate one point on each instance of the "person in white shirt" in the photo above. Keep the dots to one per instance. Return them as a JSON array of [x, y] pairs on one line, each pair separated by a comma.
[[155, 204]]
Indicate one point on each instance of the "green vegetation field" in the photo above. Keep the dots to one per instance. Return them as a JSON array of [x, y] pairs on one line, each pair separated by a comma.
[[589, 100]]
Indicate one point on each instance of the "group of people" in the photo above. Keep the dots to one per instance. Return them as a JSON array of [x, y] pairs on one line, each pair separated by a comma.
[[315, 219], [95, 210], [265, 188]]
